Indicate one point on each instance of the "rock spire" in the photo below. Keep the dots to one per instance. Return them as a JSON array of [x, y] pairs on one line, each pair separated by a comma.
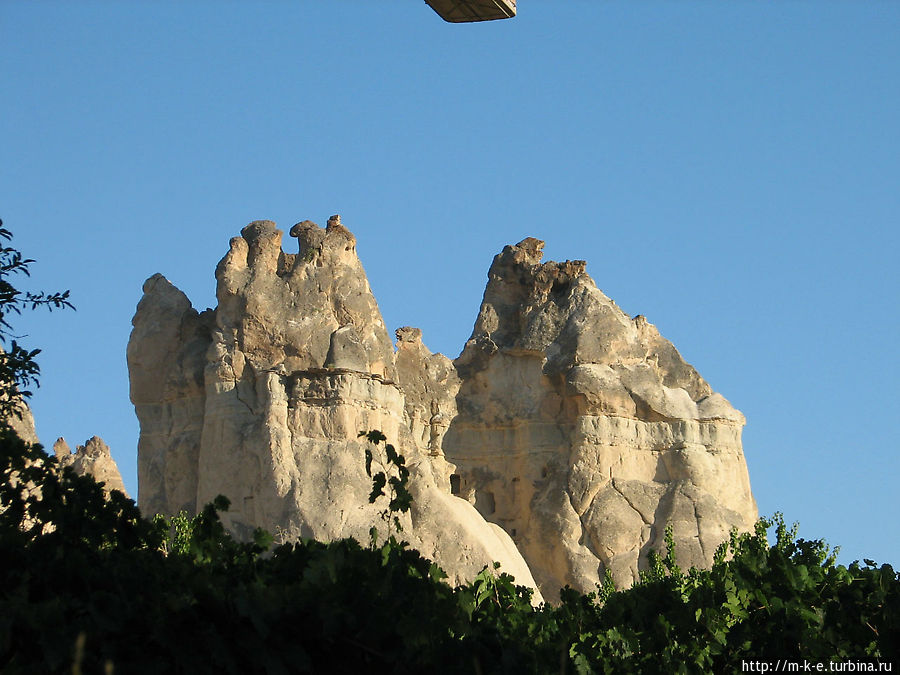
[[584, 433], [262, 400], [91, 459], [561, 442]]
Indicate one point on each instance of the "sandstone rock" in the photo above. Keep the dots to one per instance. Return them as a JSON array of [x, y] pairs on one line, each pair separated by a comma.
[[61, 450], [584, 433], [23, 424], [262, 400], [347, 351], [20, 420], [91, 459], [166, 357], [282, 309], [431, 384], [573, 433]]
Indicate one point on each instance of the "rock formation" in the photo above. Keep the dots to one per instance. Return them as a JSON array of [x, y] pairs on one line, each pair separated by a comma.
[[262, 400], [91, 459], [565, 426], [584, 433], [23, 424]]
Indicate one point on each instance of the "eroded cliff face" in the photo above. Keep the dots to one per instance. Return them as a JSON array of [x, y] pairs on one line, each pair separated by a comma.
[[262, 400], [91, 459], [23, 424], [20, 420], [572, 433], [584, 433]]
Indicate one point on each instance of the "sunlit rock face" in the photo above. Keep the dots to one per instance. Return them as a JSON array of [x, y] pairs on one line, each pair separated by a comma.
[[91, 459], [23, 424], [571, 433], [262, 400], [20, 419], [583, 432], [166, 361]]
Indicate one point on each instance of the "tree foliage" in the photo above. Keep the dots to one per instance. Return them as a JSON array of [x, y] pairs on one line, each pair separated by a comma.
[[85, 579], [393, 478], [18, 369]]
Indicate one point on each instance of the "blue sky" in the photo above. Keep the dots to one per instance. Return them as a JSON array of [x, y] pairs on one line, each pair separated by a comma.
[[729, 170]]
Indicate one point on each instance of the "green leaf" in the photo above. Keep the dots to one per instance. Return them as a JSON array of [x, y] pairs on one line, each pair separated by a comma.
[[378, 482], [369, 462]]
